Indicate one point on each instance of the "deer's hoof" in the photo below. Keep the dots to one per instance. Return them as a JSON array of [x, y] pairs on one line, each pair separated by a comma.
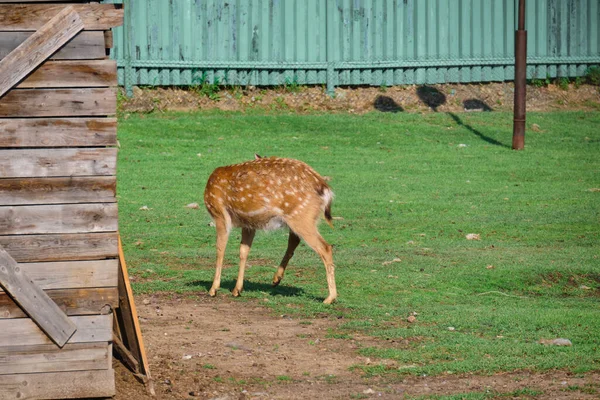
[[277, 278], [329, 300], [236, 293], [212, 292]]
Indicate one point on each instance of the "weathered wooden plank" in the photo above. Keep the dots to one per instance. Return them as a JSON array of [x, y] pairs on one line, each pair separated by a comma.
[[30, 17], [58, 132], [90, 328], [95, 189], [58, 102], [75, 73], [87, 45], [108, 40], [52, 35], [34, 359], [58, 385], [73, 274], [71, 301], [34, 301], [127, 318], [61, 247], [60, 218], [17, 163]]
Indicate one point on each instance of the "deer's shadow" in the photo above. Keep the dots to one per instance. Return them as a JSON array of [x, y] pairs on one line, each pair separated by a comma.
[[227, 285]]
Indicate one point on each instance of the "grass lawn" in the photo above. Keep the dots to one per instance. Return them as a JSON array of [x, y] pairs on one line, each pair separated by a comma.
[[409, 188]]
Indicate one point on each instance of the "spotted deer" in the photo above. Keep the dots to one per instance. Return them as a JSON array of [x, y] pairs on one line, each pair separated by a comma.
[[268, 193]]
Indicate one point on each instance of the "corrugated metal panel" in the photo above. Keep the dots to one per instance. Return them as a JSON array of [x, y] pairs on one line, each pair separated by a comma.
[[351, 42]]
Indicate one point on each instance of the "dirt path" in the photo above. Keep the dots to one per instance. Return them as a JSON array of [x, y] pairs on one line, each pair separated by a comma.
[[226, 349]]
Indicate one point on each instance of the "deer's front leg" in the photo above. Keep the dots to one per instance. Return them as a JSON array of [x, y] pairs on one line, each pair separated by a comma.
[[247, 238], [222, 237]]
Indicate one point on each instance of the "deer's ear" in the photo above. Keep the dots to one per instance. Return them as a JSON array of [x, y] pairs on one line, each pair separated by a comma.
[[257, 157]]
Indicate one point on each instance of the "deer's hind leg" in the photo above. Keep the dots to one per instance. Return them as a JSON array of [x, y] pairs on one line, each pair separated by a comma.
[[307, 230], [293, 242]]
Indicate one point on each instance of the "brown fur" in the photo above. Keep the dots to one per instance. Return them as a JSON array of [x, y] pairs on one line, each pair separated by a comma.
[[264, 194]]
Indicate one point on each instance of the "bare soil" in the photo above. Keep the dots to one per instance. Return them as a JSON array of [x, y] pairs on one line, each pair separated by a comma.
[[225, 348], [358, 100]]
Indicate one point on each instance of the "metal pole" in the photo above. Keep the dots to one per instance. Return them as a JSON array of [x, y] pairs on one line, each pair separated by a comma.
[[518, 142]]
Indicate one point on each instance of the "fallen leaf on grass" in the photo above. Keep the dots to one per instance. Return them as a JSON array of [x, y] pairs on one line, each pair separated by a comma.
[[556, 342], [594, 190], [194, 206], [395, 260], [473, 236], [144, 208]]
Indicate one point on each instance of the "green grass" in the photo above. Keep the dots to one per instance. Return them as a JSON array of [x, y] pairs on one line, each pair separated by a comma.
[[407, 188]]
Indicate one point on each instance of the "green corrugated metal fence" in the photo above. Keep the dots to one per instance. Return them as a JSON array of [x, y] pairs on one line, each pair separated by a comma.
[[350, 42]]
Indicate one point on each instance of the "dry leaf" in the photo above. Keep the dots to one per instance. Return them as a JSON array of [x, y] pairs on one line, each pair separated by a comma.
[[473, 236]]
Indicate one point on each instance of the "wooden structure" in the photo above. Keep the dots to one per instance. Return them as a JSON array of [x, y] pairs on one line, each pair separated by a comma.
[[58, 212]]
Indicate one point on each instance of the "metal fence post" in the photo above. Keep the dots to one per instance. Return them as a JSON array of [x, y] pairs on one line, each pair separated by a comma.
[[127, 26], [329, 29]]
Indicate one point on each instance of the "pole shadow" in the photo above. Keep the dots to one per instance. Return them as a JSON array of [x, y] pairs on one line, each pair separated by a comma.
[[483, 137], [433, 98]]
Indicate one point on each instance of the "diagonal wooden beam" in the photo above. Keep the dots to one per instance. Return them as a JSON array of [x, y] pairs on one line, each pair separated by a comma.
[[34, 301], [38, 47]]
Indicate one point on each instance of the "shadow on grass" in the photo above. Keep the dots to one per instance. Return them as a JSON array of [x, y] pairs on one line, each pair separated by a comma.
[[249, 286], [433, 98], [483, 137]]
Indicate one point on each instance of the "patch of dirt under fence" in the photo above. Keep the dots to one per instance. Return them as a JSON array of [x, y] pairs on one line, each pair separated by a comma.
[[358, 100]]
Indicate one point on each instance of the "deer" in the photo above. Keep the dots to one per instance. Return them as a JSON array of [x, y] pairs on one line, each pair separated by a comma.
[[265, 194]]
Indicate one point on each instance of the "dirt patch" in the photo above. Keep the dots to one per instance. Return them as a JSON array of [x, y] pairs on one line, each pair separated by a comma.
[[225, 348], [358, 100]]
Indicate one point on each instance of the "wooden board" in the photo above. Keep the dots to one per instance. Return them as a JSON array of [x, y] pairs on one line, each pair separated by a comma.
[[60, 218], [58, 132], [34, 359], [61, 247], [34, 301], [128, 321], [30, 17], [96, 189], [58, 102], [92, 328], [73, 274], [59, 385], [76, 73], [87, 45], [51, 36], [26, 163], [71, 301]]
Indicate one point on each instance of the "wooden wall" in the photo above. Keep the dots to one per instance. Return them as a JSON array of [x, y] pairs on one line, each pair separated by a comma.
[[58, 210]]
